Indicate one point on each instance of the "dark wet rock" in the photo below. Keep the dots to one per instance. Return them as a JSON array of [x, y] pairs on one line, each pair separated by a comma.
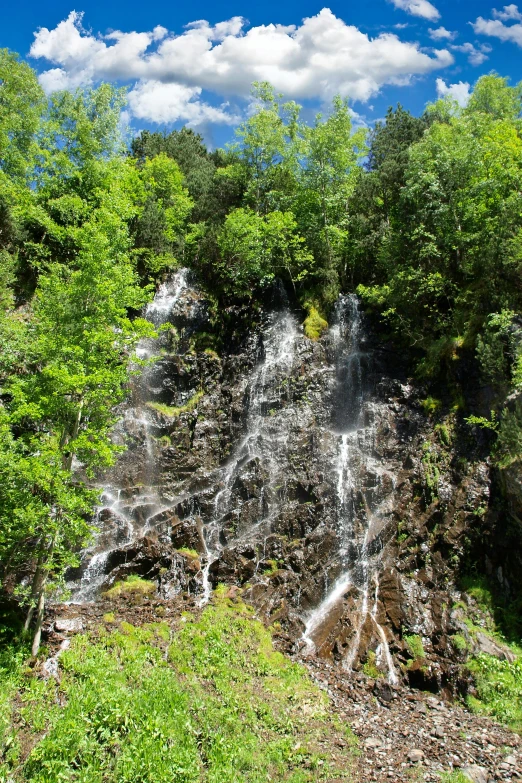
[[249, 477]]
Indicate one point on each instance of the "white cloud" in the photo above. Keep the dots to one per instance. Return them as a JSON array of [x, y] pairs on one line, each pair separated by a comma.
[[510, 12], [441, 33], [460, 92], [418, 8], [316, 59], [495, 28], [160, 102], [475, 56]]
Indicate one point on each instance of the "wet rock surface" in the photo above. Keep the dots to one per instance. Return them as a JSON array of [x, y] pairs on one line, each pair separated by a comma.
[[307, 473]]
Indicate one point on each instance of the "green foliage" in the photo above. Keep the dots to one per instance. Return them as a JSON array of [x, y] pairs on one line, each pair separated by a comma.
[[255, 249], [456, 776], [481, 421], [172, 411], [499, 689], [22, 106], [509, 446], [415, 648], [431, 405], [459, 642], [314, 324], [444, 434], [216, 704], [430, 243], [370, 667], [133, 585]]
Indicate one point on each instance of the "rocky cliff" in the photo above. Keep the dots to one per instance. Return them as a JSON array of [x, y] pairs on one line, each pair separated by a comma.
[[310, 474]]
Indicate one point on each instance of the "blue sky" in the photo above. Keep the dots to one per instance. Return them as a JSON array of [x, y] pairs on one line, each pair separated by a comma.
[[182, 70]]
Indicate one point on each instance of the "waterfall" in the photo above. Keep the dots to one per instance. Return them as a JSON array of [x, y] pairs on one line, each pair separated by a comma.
[[125, 512], [303, 467], [356, 511], [263, 442]]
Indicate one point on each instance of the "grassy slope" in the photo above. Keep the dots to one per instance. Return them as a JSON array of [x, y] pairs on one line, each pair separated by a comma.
[[498, 682], [210, 701]]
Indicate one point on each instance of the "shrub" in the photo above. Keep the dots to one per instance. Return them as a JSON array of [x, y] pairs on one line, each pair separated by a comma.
[[499, 689], [314, 325], [415, 648]]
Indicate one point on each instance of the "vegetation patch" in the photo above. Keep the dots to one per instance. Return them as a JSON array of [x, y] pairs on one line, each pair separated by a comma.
[[498, 682], [415, 648], [133, 585], [216, 704], [172, 411], [188, 552], [499, 689], [370, 667], [314, 324]]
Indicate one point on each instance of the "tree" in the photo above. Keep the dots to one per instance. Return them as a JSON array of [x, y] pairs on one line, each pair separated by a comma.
[[79, 338], [256, 249], [327, 179], [22, 105], [268, 149], [164, 206]]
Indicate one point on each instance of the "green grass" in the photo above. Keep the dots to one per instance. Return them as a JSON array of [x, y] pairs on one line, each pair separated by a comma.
[[133, 585], [216, 704], [173, 411], [370, 667], [415, 648], [188, 552], [499, 689], [454, 777], [498, 682]]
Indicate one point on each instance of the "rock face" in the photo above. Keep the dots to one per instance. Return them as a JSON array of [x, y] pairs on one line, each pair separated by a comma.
[[306, 473]]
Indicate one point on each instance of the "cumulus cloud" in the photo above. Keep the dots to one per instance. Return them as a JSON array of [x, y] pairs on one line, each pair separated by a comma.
[[316, 59], [441, 34], [496, 28], [476, 56], [459, 92], [418, 8], [159, 102], [509, 13]]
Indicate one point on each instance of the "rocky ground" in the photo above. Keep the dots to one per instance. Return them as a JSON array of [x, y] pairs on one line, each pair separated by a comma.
[[404, 734], [409, 735]]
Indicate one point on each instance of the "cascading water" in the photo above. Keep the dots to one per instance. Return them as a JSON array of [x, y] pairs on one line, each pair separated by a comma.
[[263, 443], [355, 509], [302, 487], [125, 512]]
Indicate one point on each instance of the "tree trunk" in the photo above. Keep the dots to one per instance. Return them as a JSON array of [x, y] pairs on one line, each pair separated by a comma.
[[39, 621], [66, 438], [35, 590]]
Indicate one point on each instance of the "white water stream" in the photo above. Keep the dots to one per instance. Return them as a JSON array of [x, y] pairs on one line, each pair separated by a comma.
[[262, 453], [355, 514], [131, 509], [264, 441]]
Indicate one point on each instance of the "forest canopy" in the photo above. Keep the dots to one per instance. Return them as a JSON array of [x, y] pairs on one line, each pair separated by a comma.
[[422, 216]]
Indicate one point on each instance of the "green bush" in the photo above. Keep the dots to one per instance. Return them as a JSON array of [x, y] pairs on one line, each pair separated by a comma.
[[415, 648], [314, 324]]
